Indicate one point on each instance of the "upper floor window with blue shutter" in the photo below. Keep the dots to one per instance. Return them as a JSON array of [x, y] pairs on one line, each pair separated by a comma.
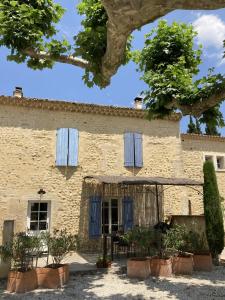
[[133, 149], [67, 147]]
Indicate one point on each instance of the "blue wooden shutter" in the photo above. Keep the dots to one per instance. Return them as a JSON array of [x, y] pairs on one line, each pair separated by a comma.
[[62, 147], [95, 208], [73, 147], [128, 149], [127, 213], [138, 149]]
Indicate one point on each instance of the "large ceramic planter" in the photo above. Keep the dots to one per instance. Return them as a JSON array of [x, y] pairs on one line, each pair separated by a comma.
[[161, 267], [22, 282], [52, 278], [138, 268], [183, 265], [203, 262]]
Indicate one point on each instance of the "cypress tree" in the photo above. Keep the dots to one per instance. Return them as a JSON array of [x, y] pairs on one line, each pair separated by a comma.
[[191, 126], [213, 211], [198, 127]]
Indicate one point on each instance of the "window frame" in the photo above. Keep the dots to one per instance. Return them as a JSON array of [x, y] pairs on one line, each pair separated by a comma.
[[119, 210], [30, 202], [222, 163], [213, 157]]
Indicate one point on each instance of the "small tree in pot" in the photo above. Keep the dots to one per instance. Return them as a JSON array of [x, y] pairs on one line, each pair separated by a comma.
[[161, 263], [198, 245], [59, 244], [141, 239], [22, 277], [177, 239]]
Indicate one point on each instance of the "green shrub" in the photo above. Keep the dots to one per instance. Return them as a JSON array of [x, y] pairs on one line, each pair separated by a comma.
[[142, 238], [176, 239], [59, 244], [198, 243], [20, 251]]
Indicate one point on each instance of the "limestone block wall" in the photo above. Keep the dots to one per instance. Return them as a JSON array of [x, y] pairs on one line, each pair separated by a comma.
[[27, 152], [194, 150]]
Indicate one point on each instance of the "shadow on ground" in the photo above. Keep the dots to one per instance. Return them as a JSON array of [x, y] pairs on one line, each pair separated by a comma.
[[116, 285]]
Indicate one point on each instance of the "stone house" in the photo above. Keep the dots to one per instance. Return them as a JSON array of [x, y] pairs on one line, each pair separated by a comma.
[[49, 149]]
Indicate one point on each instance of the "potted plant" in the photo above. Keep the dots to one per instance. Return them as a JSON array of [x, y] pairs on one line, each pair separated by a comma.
[[199, 247], [141, 238], [177, 239], [59, 244], [161, 263], [22, 277], [101, 263]]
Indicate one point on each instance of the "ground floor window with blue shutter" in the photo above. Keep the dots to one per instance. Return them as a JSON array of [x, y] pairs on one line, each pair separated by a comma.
[[128, 213], [133, 149], [109, 214], [116, 213], [95, 222], [67, 147]]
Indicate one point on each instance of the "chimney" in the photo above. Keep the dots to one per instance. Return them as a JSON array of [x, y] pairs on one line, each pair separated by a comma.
[[18, 92], [138, 102]]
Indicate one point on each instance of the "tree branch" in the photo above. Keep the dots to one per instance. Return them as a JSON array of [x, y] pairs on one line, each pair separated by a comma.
[[124, 16], [199, 107], [65, 59], [201, 4]]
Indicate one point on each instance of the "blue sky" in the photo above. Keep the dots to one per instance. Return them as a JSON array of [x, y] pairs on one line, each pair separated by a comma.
[[64, 82]]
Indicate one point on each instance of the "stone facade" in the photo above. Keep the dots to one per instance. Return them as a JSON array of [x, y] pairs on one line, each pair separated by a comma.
[[28, 146], [28, 151], [195, 148]]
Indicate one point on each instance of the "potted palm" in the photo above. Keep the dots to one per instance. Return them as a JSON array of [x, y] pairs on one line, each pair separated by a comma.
[[22, 276], [177, 239], [141, 238], [199, 247], [59, 244]]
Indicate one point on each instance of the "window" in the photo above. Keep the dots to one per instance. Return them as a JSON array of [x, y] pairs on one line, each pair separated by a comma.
[[220, 162], [38, 216], [209, 157], [67, 147], [115, 213], [110, 211], [133, 150]]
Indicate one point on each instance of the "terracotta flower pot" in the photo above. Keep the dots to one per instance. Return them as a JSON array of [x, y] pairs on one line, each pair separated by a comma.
[[52, 278], [203, 262], [161, 267], [138, 268], [183, 265], [22, 282]]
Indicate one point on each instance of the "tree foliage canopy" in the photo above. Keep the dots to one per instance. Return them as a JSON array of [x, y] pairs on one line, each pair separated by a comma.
[[168, 61], [169, 64], [27, 25]]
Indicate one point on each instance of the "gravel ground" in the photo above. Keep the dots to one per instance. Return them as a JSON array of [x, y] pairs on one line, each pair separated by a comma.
[[116, 285]]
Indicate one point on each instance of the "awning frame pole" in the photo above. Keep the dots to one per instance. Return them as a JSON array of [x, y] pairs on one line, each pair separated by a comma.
[[103, 222], [157, 201]]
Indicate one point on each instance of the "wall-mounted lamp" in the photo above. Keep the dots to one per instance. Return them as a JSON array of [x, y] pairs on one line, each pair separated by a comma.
[[41, 192]]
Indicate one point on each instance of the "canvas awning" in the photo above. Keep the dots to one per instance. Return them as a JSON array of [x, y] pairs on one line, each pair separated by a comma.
[[136, 180]]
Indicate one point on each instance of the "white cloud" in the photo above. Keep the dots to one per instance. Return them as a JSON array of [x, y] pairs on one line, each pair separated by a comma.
[[211, 34], [211, 31]]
